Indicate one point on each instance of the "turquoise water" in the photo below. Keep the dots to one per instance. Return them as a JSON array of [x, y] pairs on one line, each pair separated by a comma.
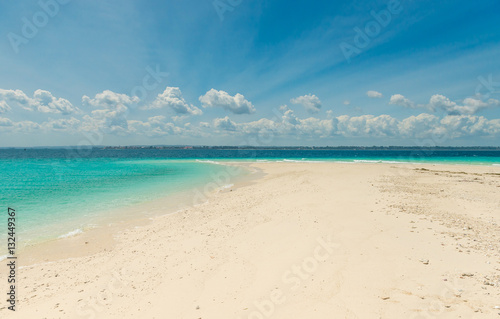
[[57, 192], [54, 197]]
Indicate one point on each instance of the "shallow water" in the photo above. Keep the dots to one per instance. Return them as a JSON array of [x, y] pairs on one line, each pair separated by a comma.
[[62, 192]]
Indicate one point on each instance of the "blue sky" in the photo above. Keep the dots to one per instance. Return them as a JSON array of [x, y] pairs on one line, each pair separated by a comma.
[[249, 72]]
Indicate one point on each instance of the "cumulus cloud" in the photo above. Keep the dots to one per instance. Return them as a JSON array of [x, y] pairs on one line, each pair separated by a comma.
[[374, 94], [70, 125], [4, 107], [5, 122], [400, 100], [27, 127], [469, 106], [156, 126], [42, 101], [112, 113], [109, 114], [287, 126], [224, 124], [236, 104], [367, 125], [419, 126], [347, 102], [172, 98], [110, 100], [311, 102]]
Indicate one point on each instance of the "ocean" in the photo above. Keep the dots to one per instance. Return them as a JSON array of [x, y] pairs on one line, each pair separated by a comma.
[[61, 192]]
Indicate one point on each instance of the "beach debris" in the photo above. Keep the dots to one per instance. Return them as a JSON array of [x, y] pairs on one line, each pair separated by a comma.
[[496, 307], [467, 274], [197, 307], [424, 261], [386, 298]]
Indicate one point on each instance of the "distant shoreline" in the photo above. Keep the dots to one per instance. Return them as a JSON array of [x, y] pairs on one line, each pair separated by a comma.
[[296, 148]]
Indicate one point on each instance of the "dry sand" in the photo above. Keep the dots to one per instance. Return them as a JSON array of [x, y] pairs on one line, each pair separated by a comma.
[[307, 240]]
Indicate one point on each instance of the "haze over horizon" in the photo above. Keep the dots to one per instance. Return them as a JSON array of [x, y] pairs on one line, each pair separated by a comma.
[[262, 73]]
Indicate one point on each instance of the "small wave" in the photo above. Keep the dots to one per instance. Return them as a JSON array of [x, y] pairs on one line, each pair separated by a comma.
[[226, 187], [495, 164], [71, 233], [208, 161], [301, 161], [380, 161], [3, 257], [367, 161]]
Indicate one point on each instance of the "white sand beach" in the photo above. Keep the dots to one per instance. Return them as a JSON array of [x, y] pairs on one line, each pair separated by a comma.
[[306, 240]]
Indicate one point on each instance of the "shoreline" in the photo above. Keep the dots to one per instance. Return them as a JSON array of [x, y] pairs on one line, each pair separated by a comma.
[[224, 256], [77, 245]]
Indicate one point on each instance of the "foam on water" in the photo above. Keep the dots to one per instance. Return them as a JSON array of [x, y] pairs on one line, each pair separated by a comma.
[[71, 233]]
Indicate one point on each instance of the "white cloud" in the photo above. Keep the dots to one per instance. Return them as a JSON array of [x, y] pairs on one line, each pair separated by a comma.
[[113, 112], [236, 104], [26, 127], [289, 126], [367, 125], [42, 101], [109, 114], [172, 98], [289, 117], [374, 94], [110, 100], [155, 126], [70, 125], [400, 100], [5, 122], [314, 127], [311, 102], [262, 127], [420, 126], [347, 102], [4, 107], [469, 106], [224, 124]]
